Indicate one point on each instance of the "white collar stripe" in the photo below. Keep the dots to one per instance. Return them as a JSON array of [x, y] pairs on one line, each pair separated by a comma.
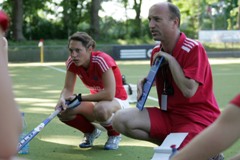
[[190, 40], [69, 63], [188, 45], [186, 49], [102, 63]]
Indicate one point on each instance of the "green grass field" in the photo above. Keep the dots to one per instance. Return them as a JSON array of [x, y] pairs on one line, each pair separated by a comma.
[[37, 88]]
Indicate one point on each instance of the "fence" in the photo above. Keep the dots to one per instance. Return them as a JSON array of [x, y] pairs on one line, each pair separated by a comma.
[[59, 53]]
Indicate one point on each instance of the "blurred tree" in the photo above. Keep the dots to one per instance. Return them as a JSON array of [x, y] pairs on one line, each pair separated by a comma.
[[53, 19], [138, 22], [72, 15], [24, 18], [35, 19], [95, 25], [125, 4], [189, 16], [17, 17], [208, 15], [238, 18], [231, 9], [78, 13]]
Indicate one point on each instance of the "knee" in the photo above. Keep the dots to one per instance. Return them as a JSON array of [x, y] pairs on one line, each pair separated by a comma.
[[65, 117], [101, 113], [118, 121], [115, 121], [116, 117]]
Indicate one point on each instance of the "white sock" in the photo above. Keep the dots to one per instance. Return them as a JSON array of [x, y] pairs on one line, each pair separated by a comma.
[[108, 122]]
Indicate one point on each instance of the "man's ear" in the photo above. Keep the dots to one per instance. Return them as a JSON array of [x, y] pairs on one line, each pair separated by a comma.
[[176, 22]]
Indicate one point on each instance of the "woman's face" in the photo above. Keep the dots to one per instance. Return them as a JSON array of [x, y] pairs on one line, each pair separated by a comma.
[[79, 54]]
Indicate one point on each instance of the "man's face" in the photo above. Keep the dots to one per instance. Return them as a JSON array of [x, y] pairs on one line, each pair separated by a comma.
[[160, 23]]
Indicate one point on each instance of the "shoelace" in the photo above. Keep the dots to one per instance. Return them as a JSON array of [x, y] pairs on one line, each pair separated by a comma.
[[218, 157], [112, 139], [87, 138]]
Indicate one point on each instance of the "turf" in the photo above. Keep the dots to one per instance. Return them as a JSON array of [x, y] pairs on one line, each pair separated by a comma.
[[37, 88]]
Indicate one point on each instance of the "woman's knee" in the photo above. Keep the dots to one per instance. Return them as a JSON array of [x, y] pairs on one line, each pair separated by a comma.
[[101, 113], [65, 117]]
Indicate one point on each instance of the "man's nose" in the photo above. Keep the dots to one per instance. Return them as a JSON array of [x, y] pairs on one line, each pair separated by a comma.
[[151, 24]]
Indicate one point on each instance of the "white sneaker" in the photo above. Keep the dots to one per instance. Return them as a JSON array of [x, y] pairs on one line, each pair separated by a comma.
[[112, 142], [89, 138], [218, 157]]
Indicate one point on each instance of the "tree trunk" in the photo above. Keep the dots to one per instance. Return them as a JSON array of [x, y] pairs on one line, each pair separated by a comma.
[[18, 20], [95, 26], [138, 21], [238, 18]]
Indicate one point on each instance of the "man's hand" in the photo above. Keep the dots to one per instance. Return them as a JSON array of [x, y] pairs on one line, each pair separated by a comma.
[[165, 55], [140, 88]]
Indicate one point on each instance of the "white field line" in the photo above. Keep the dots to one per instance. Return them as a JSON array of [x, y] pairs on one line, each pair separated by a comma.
[[152, 98], [57, 69], [213, 61]]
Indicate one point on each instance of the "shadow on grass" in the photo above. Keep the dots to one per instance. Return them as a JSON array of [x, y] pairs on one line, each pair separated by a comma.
[[40, 150]]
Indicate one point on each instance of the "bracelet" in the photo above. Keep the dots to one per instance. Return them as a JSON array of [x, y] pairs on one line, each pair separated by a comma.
[[79, 97]]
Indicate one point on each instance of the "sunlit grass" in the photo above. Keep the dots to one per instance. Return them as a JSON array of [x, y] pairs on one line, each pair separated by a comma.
[[37, 88]]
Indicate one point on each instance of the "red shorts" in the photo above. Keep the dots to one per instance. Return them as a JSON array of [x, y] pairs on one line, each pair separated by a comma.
[[164, 123]]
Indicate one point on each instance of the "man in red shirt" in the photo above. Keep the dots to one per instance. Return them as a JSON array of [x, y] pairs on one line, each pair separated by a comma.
[[101, 75], [184, 84]]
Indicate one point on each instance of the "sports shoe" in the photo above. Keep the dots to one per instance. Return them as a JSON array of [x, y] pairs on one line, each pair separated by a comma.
[[89, 138], [218, 157], [112, 142]]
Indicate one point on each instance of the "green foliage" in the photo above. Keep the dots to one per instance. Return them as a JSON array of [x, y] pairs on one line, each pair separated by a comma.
[[41, 28], [75, 15], [207, 15], [206, 24], [232, 20]]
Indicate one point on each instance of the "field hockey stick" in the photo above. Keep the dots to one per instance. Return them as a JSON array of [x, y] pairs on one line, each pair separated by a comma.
[[71, 104], [36, 130], [148, 83]]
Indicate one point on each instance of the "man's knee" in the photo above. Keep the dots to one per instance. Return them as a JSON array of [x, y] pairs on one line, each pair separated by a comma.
[[119, 121]]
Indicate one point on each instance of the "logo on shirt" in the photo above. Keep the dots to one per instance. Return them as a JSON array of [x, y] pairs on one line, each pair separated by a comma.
[[95, 78]]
